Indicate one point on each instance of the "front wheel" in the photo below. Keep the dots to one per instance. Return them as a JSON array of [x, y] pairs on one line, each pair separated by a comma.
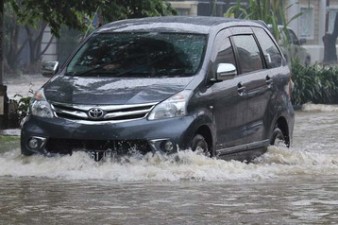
[[200, 145], [279, 139]]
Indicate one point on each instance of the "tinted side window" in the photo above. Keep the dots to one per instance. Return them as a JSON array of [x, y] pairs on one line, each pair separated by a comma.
[[249, 57], [225, 52], [271, 53]]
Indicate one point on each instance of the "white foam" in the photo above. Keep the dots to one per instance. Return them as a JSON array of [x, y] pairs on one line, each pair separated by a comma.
[[309, 107], [180, 167]]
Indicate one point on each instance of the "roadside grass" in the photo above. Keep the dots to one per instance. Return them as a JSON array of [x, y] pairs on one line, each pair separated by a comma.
[[9, 143], [8, 138]]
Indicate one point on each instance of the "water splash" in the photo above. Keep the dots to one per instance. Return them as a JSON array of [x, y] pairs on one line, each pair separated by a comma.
[[184, 166], [309, 107]]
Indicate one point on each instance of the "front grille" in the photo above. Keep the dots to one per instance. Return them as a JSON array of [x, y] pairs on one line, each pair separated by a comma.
[[116, 113], [120, 147]]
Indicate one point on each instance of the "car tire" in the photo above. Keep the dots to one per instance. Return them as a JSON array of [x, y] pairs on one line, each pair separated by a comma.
[[200, 145], [25, 152], [278, 138]]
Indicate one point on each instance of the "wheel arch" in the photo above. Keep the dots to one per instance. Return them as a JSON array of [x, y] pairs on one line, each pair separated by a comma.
[[282, 124], [205, 131]]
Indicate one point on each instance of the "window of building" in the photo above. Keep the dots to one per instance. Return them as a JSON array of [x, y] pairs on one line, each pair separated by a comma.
[[306, 21], [332, 17]]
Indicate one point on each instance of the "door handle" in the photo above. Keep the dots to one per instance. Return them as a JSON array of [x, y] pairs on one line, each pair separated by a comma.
[[241, 89], [268, 81]]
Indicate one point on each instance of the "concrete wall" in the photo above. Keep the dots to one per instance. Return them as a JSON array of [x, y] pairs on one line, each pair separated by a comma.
[[51, 53], [186, 8], [315, 22]]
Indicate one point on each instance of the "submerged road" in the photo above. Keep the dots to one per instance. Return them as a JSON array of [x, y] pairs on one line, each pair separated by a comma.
[[285, 186]]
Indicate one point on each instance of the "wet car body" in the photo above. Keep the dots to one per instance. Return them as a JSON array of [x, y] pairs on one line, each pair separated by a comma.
[[226, 112]]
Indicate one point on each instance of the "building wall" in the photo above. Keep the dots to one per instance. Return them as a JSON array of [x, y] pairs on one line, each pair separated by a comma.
[[312, 24], [202, 7], [51, 52], [185, 8]]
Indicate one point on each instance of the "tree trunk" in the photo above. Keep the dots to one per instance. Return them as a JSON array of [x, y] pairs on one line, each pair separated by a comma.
[[34, 40], [329, 40], [1, 38]]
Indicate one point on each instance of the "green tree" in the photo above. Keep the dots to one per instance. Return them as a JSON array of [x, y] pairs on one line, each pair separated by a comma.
[[34, 15], [76, 13], [1, 50], [14, 44]]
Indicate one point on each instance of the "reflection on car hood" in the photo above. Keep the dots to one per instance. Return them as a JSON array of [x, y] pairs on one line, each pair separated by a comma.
[[96, 91]]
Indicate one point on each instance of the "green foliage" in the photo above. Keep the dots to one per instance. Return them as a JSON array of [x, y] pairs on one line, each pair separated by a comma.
[[77, 14], [22, 104], [317, 84], [28, 18], [270, 11], [55, 13]]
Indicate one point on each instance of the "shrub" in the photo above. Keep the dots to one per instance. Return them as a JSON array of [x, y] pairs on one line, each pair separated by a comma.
[[317, 84], [20, 106]]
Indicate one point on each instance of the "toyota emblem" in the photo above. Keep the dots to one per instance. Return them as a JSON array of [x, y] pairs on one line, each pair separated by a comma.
[[95, 113]]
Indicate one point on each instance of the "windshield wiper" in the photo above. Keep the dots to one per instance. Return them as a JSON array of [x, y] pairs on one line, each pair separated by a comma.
[[90, 71]]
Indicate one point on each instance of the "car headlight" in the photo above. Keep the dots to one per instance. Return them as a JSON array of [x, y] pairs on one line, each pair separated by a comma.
[[39, 105], [172, 107]]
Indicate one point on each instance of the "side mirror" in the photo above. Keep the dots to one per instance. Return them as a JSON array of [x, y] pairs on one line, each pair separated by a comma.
[[49, 68], [225, 71]]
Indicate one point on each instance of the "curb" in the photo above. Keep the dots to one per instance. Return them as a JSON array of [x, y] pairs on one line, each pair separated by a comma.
[[10, 132]]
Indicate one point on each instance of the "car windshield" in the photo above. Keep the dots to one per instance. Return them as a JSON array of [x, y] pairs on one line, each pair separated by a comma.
[[139, 54]]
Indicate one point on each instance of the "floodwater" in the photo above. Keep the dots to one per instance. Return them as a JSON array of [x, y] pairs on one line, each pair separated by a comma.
[[285, 186]]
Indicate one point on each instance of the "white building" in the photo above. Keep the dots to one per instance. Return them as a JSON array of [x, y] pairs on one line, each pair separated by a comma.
[[317, 18]]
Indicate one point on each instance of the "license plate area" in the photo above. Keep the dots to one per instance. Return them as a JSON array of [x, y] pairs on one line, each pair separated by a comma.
[[98, 149], [103, 155]]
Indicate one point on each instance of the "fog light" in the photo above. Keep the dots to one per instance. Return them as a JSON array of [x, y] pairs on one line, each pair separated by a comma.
[[163, 145], [36, 142], [33, 143], [168, 146]]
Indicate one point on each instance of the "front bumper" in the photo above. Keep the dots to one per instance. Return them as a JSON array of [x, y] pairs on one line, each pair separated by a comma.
[[62, 136]]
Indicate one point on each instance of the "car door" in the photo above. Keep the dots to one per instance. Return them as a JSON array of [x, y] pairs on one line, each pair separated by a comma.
[[275, 77], [256, 82], [227, 100]]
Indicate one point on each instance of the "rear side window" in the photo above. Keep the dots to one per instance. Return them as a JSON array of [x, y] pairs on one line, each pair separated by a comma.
[[273, 57], [249, 57]]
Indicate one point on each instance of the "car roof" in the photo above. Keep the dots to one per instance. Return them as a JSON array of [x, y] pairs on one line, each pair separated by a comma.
[[186, 24]]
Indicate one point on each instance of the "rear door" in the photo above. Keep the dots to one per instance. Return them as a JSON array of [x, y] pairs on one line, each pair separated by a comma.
[[275, 78]]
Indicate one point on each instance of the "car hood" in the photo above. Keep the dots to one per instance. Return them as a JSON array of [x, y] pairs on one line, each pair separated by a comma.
[[96, 91]]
